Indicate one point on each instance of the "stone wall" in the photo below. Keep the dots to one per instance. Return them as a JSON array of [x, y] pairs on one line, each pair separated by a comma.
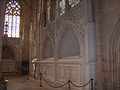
[[20, 46], [107, 28], [11, 53], [2, 9]]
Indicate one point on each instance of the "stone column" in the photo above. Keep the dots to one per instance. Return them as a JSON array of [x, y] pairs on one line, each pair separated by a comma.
[[100, 81], [43, 13], [2, 10], [52, 10], [55, 46], [38, 42]]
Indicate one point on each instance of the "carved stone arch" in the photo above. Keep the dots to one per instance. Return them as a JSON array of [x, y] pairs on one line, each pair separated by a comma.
[[114, 49], [47, 39], [79, 34]]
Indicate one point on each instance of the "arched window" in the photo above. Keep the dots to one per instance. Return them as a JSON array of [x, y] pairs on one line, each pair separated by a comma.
[[12, 18], [72, 3], [48, 11]]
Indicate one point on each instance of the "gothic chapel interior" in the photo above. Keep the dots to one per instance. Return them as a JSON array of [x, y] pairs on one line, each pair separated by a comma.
[[60, 44]]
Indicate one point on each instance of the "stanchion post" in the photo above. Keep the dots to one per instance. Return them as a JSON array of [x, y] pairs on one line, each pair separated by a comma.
[[69, 87], [40, 79], [92, 84], [35, 71]]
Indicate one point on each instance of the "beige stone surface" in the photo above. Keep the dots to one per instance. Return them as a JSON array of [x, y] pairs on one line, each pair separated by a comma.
[[22, 83]]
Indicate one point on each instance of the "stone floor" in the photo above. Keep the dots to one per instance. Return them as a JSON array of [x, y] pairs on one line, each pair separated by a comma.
[[22, 83]]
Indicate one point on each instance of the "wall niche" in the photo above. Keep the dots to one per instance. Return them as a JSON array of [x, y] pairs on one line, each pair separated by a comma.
[[7, 53], [70, 44], [48, 49]]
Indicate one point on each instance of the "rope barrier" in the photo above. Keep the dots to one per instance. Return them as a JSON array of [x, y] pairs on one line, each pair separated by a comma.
[[54, 86], [37, 76], [69, 82], [80, 85]]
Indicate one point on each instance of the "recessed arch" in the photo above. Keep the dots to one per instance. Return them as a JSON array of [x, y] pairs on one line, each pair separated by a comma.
[[70, 44], [47, 45], [78, 34], [48, 49]]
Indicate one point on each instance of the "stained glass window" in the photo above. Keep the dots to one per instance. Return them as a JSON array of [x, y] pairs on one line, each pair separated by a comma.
[[62, 6], [72, 3], [12, 17]]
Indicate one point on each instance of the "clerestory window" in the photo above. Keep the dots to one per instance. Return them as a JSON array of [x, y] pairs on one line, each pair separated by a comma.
[[12, 19], [62, 6], [72, 3]]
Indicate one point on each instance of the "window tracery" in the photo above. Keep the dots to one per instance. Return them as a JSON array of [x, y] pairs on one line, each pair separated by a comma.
[[72, 3], [12, 17]]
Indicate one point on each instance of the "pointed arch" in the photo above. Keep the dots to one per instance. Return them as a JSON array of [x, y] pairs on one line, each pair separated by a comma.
[[78, 35], [48, 49], [47, 45]]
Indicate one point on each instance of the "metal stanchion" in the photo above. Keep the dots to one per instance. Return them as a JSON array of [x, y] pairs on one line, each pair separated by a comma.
[[69, 87], [92, 84], [40, 79], [69, 83]]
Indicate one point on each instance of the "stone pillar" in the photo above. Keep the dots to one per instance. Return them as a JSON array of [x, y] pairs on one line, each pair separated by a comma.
[[38, 42], [100, 82], [43, 13], [52, 10], [41, 24], [90, 11], [57, 13], [2, 10], [57, 9]]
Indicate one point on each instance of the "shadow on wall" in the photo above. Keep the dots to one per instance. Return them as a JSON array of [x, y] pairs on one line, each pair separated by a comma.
[[7, 53]]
